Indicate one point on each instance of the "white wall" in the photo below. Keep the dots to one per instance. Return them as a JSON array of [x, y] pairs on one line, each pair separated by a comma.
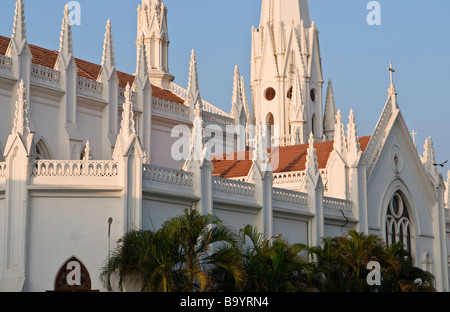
[[63, 225]]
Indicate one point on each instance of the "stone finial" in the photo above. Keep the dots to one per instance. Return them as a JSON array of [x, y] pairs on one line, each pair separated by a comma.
[[353, 147], [429, 158], [19, 29], [87, 151], [237, 105], [21, 124], [128, 126], [66, 45], [311, 159], [193, 98], [108, 58], [142, 62], [339, 144]]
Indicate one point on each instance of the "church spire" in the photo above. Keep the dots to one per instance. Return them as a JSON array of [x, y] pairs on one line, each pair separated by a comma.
[[275, 11], [193, 99], [152, 23], [330, 114]]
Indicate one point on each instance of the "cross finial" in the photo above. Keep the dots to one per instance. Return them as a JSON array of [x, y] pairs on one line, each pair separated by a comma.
[[392, 70], [414, 133]]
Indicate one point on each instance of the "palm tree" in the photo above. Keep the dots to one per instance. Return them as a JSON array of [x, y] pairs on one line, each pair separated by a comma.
[[273, 265], [343, 263], [184, 255], [205, 246], [145, 257], [402, 276]]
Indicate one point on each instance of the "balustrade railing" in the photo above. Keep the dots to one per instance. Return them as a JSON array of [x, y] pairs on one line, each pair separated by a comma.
[[288, 177], [167, 175], [170, 107], [45, 73], [336, 204], [288, 196], [233, 187], [74, 168], [6, 62], [89, 86]]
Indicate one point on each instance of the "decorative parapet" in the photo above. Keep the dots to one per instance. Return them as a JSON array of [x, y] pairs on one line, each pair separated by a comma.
[[281, 141], [122, 96], [216, 118], [72, 168], [167, 175], [288, 196], [89, 86], [178, 91], [233, 187], [336, 204], [168, 108], [46, 74], [2, 170], [6, 62], [289, 177]]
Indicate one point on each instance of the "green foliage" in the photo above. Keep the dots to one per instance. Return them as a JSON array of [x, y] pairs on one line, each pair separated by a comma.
[[194, 252]]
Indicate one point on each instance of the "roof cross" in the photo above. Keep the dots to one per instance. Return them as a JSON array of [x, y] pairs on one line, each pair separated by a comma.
[[414, 133], [392, 70]]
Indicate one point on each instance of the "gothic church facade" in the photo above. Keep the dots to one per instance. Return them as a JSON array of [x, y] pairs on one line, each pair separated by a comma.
[[70, 188]]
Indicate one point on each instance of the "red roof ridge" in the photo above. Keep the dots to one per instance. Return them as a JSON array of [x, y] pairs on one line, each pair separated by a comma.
[[47, 58], [287, 159]]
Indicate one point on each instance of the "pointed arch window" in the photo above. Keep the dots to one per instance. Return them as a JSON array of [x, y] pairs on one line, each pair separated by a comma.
[[43, 151], [398, 225]]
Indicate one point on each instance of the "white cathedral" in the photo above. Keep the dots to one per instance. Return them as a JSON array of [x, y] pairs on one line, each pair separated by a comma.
[[88, 153]]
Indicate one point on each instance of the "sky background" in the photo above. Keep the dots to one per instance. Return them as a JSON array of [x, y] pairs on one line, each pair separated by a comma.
[[414, 35]]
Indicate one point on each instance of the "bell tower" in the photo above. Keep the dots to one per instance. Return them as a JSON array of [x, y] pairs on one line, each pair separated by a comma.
[[152, 29], [286, 72]]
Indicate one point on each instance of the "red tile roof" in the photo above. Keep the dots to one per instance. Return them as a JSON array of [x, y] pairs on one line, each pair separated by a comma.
[[288, 158], [47, 58]]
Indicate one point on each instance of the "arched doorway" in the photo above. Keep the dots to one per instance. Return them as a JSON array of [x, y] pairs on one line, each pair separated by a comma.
[[73, 277]]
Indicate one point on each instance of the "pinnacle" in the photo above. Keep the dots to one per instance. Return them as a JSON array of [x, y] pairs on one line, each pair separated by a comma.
[[19, 28]]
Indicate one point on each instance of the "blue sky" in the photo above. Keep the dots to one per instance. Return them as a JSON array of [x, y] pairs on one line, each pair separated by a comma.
[[413, 34]]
